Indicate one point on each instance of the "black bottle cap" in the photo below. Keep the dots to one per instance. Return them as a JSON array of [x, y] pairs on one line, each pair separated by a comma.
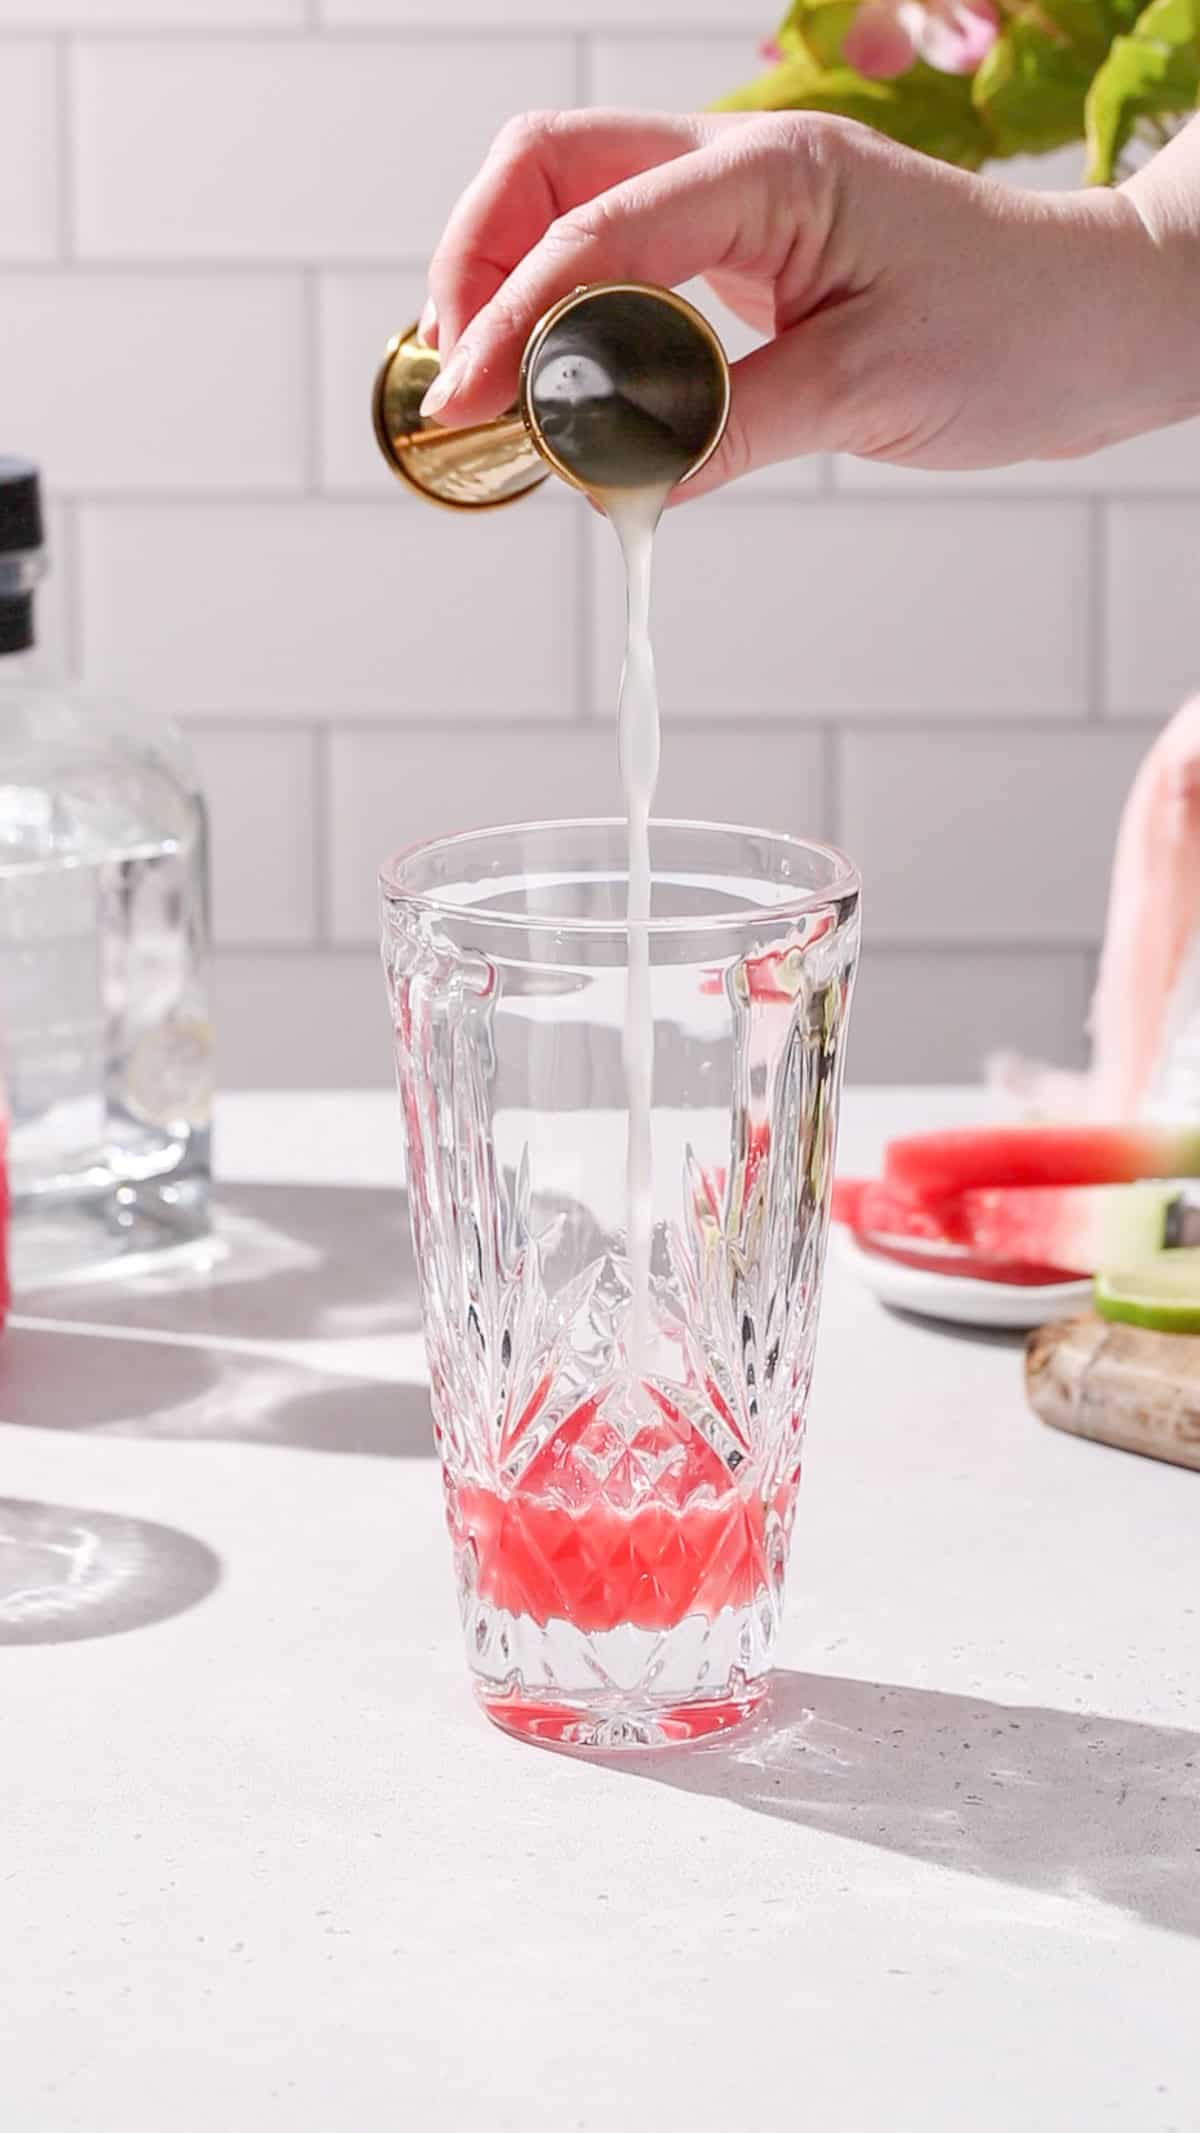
[[20, 506], [16, 624]]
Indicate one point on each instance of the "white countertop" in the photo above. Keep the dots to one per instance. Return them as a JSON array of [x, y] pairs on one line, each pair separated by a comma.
[[264, 1868]]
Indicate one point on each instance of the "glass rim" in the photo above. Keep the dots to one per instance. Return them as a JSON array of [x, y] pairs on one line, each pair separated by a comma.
[[845, 880]]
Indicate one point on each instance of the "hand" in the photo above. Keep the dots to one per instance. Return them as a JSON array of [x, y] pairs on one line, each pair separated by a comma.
[[916, 313]]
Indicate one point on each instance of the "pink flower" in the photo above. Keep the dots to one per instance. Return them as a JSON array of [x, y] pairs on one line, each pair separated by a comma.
[[771, 51], [886, 36]]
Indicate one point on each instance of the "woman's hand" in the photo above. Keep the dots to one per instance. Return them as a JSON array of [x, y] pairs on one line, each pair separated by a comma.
[[916, 313]]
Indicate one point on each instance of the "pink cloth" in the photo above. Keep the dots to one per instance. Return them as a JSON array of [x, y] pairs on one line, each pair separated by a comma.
[[1153, 914]]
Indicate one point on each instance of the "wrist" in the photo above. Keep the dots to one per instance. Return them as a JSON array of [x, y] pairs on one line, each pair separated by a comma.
[[1165, 199], [1139, 329]]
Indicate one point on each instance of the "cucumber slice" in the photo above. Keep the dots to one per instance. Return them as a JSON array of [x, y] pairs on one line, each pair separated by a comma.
[[1163, 1293]]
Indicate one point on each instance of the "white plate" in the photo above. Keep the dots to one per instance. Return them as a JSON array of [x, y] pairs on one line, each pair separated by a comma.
[[957, 1298]]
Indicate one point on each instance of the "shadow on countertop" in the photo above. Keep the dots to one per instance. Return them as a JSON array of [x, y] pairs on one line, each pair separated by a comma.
[[168, 1352], [297, 1262], [1068, 1803], [67, 1573]]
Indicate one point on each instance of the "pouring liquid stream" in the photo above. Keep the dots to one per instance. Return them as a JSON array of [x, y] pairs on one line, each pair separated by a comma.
[[626, 402], [634, 514]]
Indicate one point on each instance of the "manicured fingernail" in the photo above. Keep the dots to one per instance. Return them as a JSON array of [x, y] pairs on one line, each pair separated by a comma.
[[444, 387], [427, 329]]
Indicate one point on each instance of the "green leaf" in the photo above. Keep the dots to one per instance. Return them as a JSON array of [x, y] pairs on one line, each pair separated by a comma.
[[1030, 88], [1173, 22], [1089, 25], [1152, 74], [817, 27], [921, 108]]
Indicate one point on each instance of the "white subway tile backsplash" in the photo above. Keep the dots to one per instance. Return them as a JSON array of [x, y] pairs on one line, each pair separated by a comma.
[[121, 382], [861, 610], [1152, 606], [331, 609], [29, 153], [357, 313], [1061, 171], [301, 1021], [1001, 838], [290, 149], [391, 788], [1167, 460], [920, 1015], [683, 73], [260, 784]]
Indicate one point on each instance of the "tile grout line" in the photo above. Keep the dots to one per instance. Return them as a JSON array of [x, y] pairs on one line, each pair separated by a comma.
[[322, 873], [310, 299], [169, 37], [460, 32], [1097, 608], [64, 151], [581, 68], [72, 590], [831, 762]]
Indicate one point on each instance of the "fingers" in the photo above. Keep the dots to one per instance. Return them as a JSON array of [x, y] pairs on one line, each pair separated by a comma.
[[540, 166], [706, 209]]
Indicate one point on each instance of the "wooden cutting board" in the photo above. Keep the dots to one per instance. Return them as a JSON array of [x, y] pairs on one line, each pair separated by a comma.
[[1118, 1385]]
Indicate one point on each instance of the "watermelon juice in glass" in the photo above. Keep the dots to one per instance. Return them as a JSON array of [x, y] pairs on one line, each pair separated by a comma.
[[619, 1309]]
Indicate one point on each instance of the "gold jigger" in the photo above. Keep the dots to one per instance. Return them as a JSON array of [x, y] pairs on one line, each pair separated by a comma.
[[622, 385]]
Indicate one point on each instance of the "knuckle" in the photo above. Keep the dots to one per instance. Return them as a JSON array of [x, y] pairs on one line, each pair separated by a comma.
[[523, 134], [578, 228], [604, 212]]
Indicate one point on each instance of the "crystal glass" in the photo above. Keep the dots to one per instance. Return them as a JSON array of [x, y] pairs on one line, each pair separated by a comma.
[[620, 1506]]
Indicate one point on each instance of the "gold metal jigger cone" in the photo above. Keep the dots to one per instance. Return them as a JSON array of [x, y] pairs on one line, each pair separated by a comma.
[[652, 351]]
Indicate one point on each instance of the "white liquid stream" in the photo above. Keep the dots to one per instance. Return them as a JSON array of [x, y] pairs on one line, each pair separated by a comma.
[[635, 514]]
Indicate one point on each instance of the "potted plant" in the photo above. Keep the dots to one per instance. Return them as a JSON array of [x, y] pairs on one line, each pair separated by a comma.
[[973, 81]]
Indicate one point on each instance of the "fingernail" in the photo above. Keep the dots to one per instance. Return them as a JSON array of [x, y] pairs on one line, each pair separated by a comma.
[[427, 329], [444, 387]]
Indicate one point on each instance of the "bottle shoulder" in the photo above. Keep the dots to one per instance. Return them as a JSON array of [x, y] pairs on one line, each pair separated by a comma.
[[82, 781]]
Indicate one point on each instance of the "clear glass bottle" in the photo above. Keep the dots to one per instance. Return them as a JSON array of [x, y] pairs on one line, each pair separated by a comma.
[[105, 1040]]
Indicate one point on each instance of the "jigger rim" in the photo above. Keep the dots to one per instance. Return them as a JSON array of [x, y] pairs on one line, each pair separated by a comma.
[[588, 292]]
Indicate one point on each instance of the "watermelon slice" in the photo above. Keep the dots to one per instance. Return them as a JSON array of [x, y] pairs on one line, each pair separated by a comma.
[[1081, 1226], [878, 1210], [846, 1200], [936, 1166], [1087, 1226]]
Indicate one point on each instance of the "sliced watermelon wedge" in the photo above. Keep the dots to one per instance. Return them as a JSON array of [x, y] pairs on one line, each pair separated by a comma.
[[877, 1209], [938, 1166], [1086, 1226]]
